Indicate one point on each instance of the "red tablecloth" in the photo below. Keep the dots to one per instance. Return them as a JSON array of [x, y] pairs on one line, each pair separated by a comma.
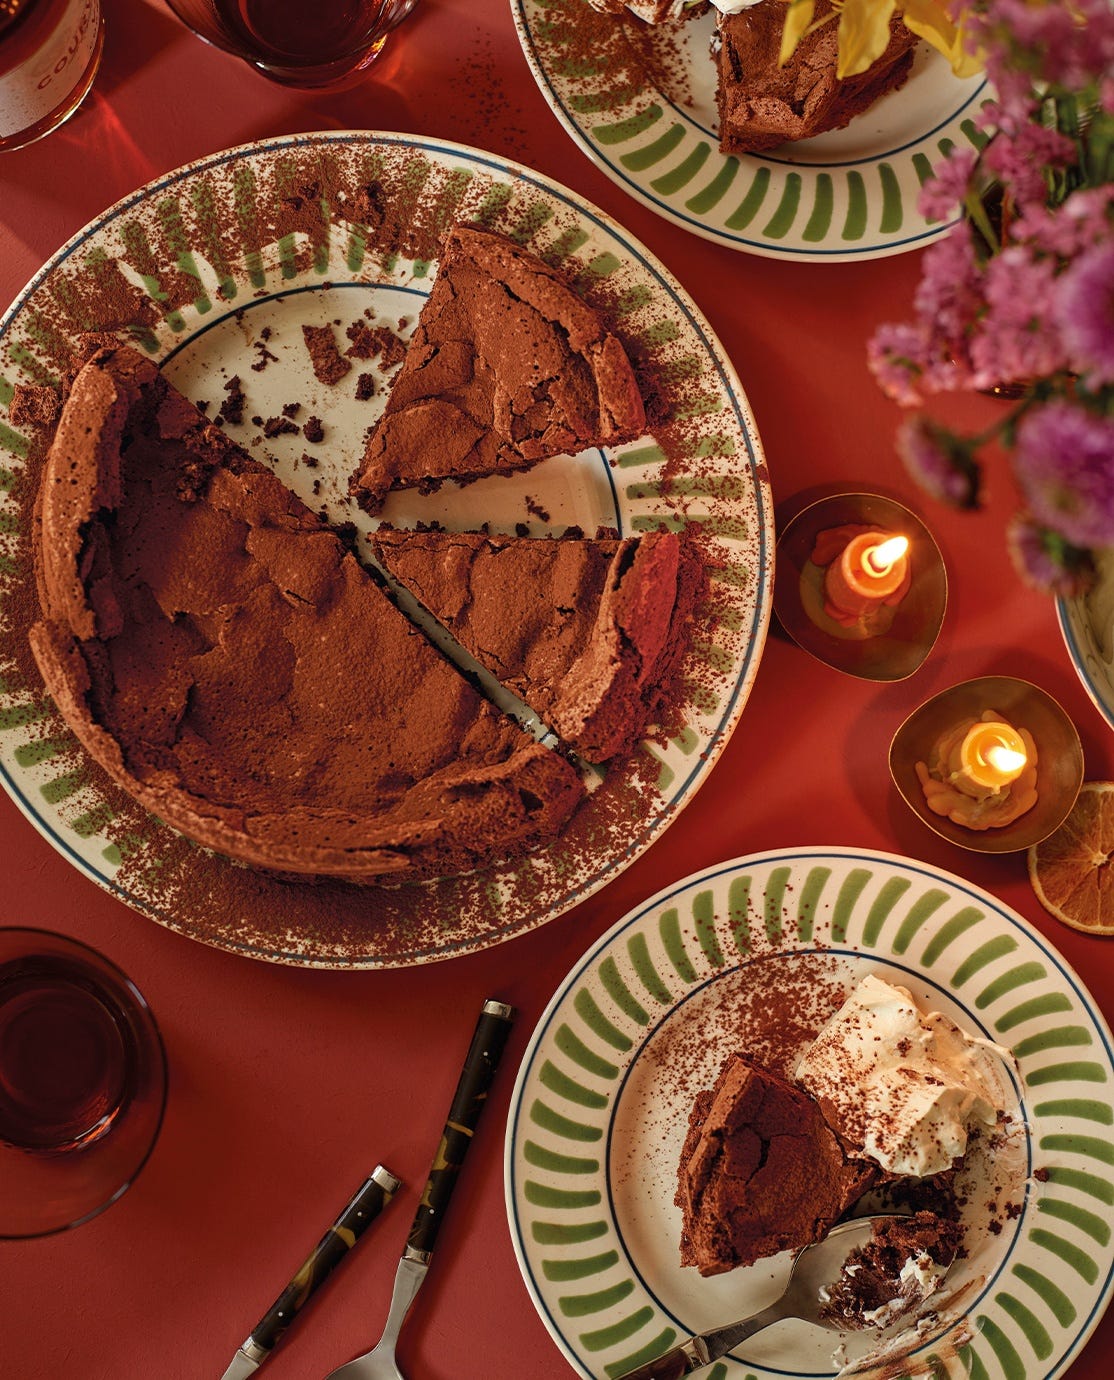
[[288, 1085]]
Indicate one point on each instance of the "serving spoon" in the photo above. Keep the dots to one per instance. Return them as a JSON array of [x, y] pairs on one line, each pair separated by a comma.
[[814, 1268]]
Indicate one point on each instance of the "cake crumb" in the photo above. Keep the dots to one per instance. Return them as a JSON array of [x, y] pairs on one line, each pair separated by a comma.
[[329, 365]]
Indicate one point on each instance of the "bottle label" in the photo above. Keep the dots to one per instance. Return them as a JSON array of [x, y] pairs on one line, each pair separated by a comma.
[[38, 85]]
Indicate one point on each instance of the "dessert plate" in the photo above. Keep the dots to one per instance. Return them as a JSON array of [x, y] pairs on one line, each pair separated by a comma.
[[1087, 624], [753, 955], [640, 102], [213, 269]]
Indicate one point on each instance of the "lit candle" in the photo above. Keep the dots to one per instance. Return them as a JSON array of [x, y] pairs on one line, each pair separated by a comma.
[[983, 773], [869, 572], [991, 755], [871, 567]]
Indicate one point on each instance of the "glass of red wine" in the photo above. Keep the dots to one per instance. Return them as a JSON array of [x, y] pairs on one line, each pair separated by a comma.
[[82, 1082], [324, 46]]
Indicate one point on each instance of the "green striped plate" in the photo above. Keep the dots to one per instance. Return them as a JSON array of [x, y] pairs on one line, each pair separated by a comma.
[[190, 269], [642, 106], [644, 1021]]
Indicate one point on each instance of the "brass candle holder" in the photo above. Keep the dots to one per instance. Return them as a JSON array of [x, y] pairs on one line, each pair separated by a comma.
[[893, 639], [1029, 711]]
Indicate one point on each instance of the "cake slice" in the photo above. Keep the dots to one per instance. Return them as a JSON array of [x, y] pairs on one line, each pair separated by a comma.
[[506, 367], [227, 660], [588, 632], [761, 1171], [763, 104]]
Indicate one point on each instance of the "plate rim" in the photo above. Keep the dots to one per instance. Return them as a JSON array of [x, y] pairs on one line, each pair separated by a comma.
[[742, 413], [1071, 614], [758, 247], [645, 909]]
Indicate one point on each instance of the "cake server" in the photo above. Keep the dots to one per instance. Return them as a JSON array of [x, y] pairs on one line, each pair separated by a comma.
[[480, 1063], [814, 1268], [361, 1210]]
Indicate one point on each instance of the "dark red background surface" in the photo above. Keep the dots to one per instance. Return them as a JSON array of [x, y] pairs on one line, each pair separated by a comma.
[[287, 1085]]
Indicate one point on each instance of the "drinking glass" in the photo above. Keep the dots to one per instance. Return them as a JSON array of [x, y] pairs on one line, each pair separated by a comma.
[[82, 1082], [325, 46]]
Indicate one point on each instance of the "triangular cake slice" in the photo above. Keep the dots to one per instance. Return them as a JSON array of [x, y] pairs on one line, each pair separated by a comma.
[[228, 661], [588, 632], [507, 366]]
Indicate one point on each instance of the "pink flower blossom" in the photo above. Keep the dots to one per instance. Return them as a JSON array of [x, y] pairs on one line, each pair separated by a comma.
[[1019, 161], [949, 297], [896, 356], [1085, 308], [1045, 561], [1019, 334], [939, 461], [945, 190], [1064, 463]]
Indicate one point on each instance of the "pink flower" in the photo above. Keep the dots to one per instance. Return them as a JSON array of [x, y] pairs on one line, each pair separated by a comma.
[[1085, 307], [896, 356], [1045, 561], [939, 461], [949, 297], [1020, 160], [945, 190], [1019, 335], [1064, 463]]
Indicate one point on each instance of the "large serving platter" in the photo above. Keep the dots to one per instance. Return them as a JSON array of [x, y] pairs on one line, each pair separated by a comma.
[[712, 966], [212, 270], [640, 102]]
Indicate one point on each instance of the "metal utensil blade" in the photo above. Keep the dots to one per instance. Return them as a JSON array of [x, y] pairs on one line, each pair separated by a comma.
[[240, 1367]]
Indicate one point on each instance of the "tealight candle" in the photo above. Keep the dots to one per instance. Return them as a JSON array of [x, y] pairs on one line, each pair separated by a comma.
[[991, 755], [982, 773], [870, 570]]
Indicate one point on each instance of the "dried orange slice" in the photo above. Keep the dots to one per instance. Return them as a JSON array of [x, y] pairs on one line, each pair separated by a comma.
[[1072, 871]]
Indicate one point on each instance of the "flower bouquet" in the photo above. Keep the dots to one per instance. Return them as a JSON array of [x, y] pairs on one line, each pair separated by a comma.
[[1018, 298]]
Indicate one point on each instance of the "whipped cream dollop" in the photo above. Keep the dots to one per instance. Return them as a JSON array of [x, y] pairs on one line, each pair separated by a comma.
[[904, 1086]]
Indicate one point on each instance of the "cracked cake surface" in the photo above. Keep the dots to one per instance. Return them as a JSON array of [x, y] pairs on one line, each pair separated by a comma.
[[507, 366], [761, 1171], [763, 104], [226, 659], [587, 631]]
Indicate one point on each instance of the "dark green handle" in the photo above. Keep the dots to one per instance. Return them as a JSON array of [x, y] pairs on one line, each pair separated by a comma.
[[367, 1203], [484, 1053]]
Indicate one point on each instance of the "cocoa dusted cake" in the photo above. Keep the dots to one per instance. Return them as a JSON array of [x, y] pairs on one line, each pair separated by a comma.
[[763, 104], [587, 631], [761, 1171], [227, 660], [507, 366]]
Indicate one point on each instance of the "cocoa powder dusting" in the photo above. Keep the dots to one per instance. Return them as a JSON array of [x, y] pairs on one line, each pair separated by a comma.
[[402, 206]]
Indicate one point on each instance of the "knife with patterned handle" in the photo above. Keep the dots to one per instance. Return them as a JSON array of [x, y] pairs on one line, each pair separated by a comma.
[[480, 1063], [366, 1204]]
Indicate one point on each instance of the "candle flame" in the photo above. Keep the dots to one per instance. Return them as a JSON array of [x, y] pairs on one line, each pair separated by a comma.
[[881, 559], [1005, 759]]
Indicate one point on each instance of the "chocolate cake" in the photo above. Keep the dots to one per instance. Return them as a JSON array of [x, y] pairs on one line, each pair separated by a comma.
[[897, 1269], [227, 660], [507, 366], [588, 632], [761, 1171], [762, 104]]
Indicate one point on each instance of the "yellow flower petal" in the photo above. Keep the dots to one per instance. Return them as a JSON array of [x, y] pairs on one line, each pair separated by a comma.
[[864, 34], [797, 19], [928, 19]]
